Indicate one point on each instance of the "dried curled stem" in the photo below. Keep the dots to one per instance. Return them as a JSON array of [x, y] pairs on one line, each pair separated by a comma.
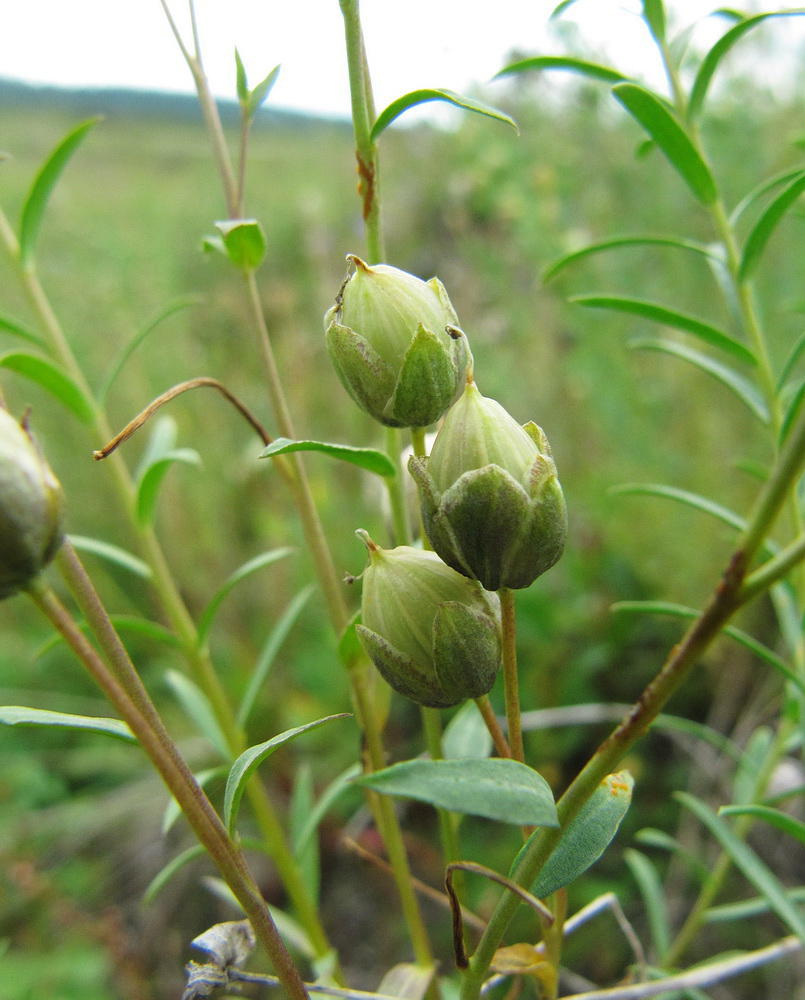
[[166, 397]]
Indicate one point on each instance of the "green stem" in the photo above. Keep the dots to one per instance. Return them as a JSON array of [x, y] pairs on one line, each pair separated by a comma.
[[362, 120], [492, 724], [158, 745], [396, 489], [511, 684]]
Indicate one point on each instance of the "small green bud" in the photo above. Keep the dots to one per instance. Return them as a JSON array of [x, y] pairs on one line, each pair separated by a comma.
[[490, 498], [30, 508], [395, 345], [433, 634]]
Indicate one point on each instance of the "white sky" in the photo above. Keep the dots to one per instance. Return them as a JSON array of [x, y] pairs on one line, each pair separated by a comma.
[[411, 43]]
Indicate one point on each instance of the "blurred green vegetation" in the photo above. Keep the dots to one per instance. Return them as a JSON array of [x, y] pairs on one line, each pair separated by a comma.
[[486, 211]]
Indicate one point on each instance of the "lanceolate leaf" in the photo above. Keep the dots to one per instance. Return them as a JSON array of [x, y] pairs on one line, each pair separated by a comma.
[[326, 799], [396, 108], [624, 241], [17, 715], [173, 810], [645, 874], [161, 879], [131, 347], [499, 789], [112, 553], [654, 16], [36, 202], [560, 8], [791, 360], [711, 61], [763, 188], [581, 66], [586, 837], [241, 83], [791, 411], [198, 708], [262, 90], [764, 227], [9, 325], [48, 376], [151, 480], [366, 458], [749, 864], [742, 388], [244, 571], [670, 317], [783, 821], [694, 500], [249, 761], [269, 652], [667, 133]]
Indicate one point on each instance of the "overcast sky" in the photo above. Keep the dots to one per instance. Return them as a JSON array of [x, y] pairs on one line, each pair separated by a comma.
[[411, 43]]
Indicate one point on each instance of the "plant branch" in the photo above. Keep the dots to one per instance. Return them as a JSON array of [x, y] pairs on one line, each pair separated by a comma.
[[510, 679]]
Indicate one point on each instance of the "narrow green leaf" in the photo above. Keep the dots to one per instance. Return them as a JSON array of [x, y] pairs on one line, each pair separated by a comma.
[[781, 820], [396, 108], [269, 652], [669, 317], [244, 241], [711, 61], [742, 388], [466, 736], [147, 629], [694, 500], [589, 69], [794, 355], [173, 810], [150, 482], [746, 640], [241, 573], [333, 791], [169, 310], [166, 873], [111, 553], [664, 842], [307, 856], [586, 837], [199, 710], [499, 788], [791, 411], [9, 325], [654, 16], [651, 892], [749, 908], [49, 377], [623, 241], [35, 204], [746, 203], [748, 862], [262, 90], [559, 9], [249, 761], [366, 458], [241, 83], [670, 137], [752, 765], [764, 227], [18, 715], [406, 981]]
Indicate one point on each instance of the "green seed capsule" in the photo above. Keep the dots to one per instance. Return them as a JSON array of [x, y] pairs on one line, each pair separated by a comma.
[[433, 634], [30, 508]]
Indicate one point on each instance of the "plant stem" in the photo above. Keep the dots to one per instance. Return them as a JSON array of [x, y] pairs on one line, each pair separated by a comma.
[[511, 685], [432, 726], [396, 489], [156, 742], [492, 724]]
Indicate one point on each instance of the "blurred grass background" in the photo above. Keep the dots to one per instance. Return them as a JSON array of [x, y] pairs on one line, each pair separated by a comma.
[[486, 211]]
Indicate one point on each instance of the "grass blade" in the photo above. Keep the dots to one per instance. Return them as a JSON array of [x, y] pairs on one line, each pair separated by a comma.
[[50, 378], [764, 227], [425, 96], [19, 715], [365, 458], [742, 388], [658, 122], [670, 317], [593, 71], [244, 571], [745, 859], [35, 204], [623, 241]]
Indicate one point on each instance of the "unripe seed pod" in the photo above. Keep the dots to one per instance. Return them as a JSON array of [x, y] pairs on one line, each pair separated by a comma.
[[30, 508], [490, 498], [433, 634], [395, 345]]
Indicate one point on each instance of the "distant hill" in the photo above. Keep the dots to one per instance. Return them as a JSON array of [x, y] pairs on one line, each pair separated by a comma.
[[120, 102]]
